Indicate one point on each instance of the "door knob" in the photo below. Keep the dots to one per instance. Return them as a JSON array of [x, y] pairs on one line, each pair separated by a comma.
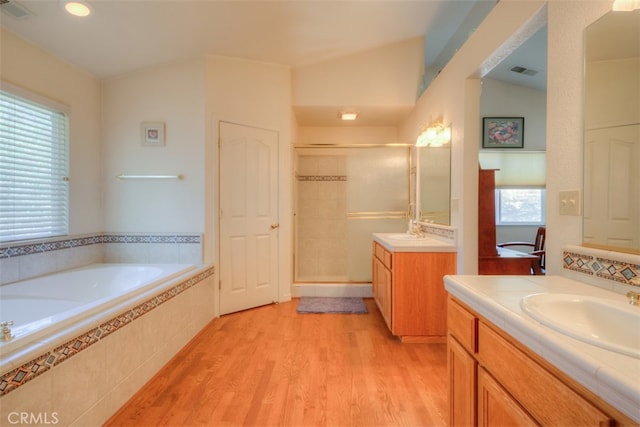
[[274, 226]]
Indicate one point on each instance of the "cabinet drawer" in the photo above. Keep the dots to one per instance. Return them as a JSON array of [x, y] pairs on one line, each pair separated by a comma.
[[543, 395], [463, 325], [383, 255]]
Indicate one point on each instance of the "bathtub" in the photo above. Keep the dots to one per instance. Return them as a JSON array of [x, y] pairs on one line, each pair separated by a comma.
[[87, 339], [54, 307]]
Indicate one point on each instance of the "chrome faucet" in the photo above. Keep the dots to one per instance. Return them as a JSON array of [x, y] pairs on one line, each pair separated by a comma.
[[5, 332], [634, 298]]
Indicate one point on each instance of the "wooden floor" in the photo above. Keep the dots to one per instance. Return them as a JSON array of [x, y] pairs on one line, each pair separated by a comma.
[[271, 366]]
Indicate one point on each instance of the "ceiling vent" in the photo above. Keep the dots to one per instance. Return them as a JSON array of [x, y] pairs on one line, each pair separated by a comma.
[[523, 70], [15, 9]]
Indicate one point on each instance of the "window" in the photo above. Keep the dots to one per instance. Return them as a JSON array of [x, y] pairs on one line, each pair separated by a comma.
[[520, 206], [33, 167]]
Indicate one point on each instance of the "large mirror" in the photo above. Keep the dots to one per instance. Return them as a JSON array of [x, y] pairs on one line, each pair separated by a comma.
[[434, 184], [612, 133]]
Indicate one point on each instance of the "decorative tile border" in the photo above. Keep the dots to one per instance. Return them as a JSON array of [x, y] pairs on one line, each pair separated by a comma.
[[66, 243], [579, 262], [15, 378], [322, 178], [47, 246], [601, 264], [440, 231]]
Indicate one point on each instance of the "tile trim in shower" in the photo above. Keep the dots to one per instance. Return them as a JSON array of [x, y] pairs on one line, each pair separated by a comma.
[[14, 250], [327, 178], [15, 378]]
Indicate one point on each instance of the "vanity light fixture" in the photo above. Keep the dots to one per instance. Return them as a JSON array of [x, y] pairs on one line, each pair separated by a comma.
[[349, 116], [436, 135], [76, 7], [625, 5]]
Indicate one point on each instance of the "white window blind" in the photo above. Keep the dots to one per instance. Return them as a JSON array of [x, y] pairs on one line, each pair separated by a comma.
[[34, 190], [523, 169]]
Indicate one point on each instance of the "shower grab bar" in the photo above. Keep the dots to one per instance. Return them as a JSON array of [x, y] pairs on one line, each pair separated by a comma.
[[122, 176], [378, 215]]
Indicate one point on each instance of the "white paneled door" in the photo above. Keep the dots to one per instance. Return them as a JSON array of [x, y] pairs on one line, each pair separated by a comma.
[[611, 186], [248, 217]]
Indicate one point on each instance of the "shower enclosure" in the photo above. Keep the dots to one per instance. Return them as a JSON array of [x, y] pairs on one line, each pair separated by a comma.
[[343, 194]]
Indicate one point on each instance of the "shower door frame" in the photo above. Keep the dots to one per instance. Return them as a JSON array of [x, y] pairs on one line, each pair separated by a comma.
[[408, 213]]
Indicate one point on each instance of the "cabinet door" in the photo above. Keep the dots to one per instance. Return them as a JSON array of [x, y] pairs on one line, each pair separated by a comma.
[[462, 385], [374, 278], [387, 285], [548, 399], [496, 407], [381, 283]]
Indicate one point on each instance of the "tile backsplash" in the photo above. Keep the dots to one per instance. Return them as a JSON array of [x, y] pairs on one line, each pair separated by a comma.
[[20, 261], [616, 271]]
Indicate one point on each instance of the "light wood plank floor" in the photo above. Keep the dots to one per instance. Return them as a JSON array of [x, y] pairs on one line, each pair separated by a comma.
[[271, 366]]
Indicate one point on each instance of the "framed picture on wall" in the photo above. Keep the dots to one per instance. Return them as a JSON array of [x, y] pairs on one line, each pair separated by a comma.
[[503, 132], [153, 134]]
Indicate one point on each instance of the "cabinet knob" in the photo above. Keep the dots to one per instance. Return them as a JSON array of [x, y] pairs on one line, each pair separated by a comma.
[[274, 226]]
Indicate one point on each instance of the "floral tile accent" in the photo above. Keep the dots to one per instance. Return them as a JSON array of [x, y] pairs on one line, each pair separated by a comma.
[[15, 378]]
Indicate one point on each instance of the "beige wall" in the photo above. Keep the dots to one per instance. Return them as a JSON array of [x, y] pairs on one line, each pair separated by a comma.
[[347, 135], [262, 94], [254, 94], [172, 94], [386, 76], [565, 117], [500, 99], [31, 68], [454, 97]]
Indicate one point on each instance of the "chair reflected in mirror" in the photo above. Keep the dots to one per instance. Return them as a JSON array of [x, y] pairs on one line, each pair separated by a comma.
[[537, 266]]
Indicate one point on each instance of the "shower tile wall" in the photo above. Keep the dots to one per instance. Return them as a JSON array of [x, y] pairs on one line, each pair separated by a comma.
[[321, 218]]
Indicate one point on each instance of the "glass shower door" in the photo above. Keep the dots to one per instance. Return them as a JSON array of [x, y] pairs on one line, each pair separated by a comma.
[[343, 196]]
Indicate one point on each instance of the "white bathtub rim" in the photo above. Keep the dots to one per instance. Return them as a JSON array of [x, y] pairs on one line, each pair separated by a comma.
[[72, 328], [86, 309]]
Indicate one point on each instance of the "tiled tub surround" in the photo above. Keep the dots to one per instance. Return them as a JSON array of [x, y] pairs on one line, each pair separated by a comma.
[[24, 260], [615, 271], [84, 378]]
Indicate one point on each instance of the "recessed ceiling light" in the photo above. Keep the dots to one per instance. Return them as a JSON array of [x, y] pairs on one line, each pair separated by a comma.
[[77, 8], [348, 116]]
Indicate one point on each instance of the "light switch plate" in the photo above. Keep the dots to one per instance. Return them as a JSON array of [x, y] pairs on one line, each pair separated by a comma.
[[570, 202]]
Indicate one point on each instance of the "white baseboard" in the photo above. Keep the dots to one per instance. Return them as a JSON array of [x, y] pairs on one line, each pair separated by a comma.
[[331, 290]]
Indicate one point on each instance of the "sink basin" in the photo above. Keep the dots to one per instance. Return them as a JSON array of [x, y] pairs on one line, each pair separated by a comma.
[[403, 236], [614, 325]]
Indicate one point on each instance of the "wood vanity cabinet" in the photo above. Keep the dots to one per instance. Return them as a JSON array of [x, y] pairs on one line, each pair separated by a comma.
[[495, 380], [409, 291]]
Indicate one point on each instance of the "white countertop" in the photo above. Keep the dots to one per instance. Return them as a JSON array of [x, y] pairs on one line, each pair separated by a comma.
[[612, 376], [417, 244]]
